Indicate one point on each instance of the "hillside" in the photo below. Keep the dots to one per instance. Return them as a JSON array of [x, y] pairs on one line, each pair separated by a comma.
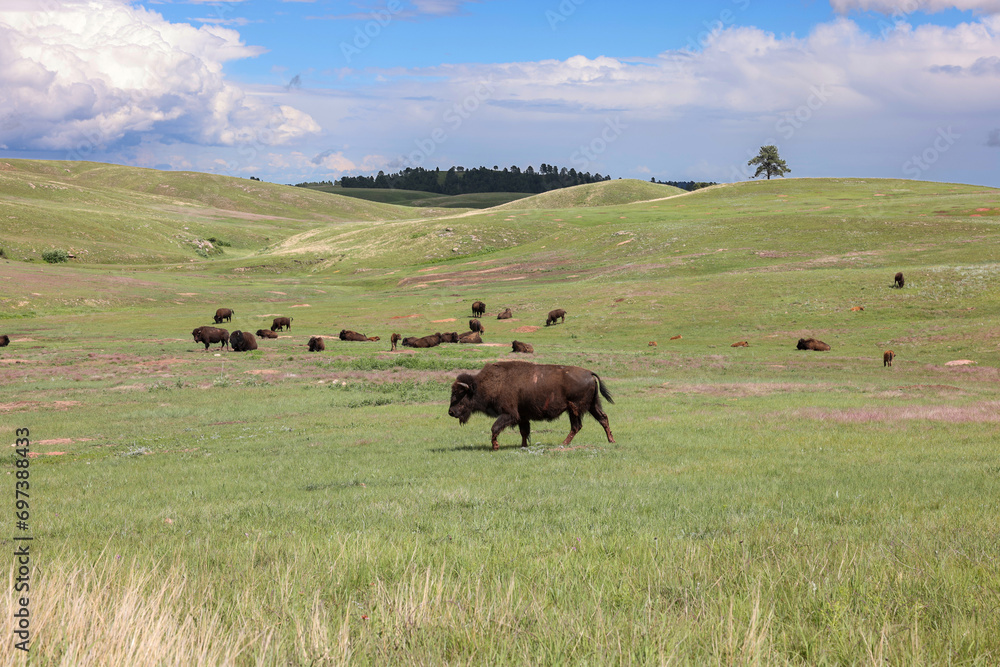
[[124, 215], [605, 193]]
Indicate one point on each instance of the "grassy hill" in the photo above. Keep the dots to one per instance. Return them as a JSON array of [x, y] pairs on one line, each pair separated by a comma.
[[605, 193], [423, 199]]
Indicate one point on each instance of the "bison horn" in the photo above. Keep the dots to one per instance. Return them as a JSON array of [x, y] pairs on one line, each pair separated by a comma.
[[463, 385]]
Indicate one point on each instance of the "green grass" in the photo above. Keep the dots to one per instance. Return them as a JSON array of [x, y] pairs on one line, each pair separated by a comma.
[[761, 504], [424, 199]]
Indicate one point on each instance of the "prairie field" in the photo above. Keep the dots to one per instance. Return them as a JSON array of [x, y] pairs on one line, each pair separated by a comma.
[[760, 504]]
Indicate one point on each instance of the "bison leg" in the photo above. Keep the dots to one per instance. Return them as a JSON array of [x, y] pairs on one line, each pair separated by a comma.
[[525, 427], [575, 424], [502, 422], [602, 419]]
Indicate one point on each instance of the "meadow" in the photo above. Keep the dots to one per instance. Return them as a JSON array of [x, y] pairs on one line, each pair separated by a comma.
[[761, 505]]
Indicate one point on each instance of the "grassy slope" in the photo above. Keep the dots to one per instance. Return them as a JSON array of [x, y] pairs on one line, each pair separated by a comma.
[[424, 199], [761, 504], [605, 193]]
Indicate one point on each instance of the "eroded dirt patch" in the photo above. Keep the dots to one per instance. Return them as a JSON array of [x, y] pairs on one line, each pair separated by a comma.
[[526, 329]]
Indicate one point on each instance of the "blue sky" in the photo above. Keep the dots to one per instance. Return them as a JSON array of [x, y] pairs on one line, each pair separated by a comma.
[[295, 90]]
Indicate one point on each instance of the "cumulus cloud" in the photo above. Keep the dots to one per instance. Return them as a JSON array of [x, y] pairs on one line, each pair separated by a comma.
[[909, 6], [95, 72]]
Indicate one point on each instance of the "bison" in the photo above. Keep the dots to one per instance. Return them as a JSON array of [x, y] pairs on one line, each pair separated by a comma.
[[395, 339], [898, 281], [427, 341], [515, 392], [374, 339], [505, 315], [316, 344], [478, 308], [4, 340], [348, 335], [554, 315], [451, 337], [855, 309], [887, 358], [476, 325], [812, 344], [209, 335], [224, 314], [470, 337], [281, 323], [266, 333], [242, 341], [518, 346], [741, 343]]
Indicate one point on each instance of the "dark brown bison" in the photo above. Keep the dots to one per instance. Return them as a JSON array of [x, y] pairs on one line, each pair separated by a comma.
[[395, 339], [554, 315], [316, 344], [741, 343], [427, 341], [266, 333], [242, 341], [224, 314], [209, 335], [478, 308], [470, 337], [281, 323], [450, 337], [4, 340], [812, 344], [505, 315], [348, 335], [887, 358], [515, 392], [476, 325], [518, 346], [898, 280]]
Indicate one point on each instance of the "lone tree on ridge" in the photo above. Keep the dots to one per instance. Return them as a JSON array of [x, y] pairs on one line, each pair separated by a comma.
[[769, 163]]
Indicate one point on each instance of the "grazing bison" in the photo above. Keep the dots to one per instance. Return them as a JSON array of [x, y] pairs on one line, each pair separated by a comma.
[[316, 344], [4, 340], [242, 341], [518, 346], [476, 325], [266, 333], [348, 335], [478, 309], [812, 344], [505, 315], [209, 335], [451, 337], [898, 280], [741, 343], [554, 315], [224, 314], [887, 358], [470, 337], [281, 323], [515, 392], [395, 339], [427, 341]]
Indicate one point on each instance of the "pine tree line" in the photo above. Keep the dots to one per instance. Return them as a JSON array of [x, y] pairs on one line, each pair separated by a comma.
[[458, 180]]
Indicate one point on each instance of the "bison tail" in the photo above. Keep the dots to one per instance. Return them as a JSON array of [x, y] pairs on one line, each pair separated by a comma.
[[604, 389]]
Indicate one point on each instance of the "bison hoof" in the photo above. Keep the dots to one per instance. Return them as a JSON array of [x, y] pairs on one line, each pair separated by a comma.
[[496, 446]]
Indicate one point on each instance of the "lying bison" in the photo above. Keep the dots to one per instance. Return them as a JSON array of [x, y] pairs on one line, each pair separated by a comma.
[[209, 335], [395, 339], [898, 281], [887, 358], [741, 343], [4, 340], [812, 344], [515, 392], [518, 346], [478, 308], [554, 315], [470, 337], [505, 315], [476, 325], [316, 344], [449, 337], [427, 341], [242, 341], [348, 335], [281, 323], [224, 314], [266, 333]]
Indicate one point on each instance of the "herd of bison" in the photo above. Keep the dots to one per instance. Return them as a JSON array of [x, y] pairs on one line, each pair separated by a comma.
[[514, 392]]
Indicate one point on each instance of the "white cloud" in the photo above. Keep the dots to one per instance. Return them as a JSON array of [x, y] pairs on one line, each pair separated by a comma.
[[910, 6], [88, 73]]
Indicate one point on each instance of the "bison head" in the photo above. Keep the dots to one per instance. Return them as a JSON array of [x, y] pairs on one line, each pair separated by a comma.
[[463, 392]]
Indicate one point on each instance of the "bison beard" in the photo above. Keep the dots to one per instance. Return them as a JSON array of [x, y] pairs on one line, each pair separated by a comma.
[[515, 392]]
